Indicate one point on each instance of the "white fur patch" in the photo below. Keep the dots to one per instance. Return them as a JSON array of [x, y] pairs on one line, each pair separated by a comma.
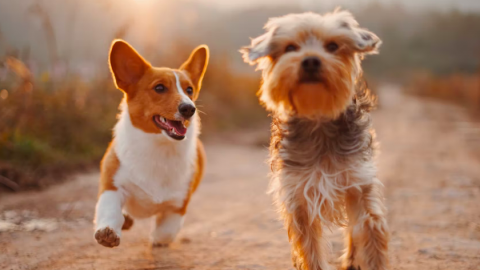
[[167, 230], [109, 211], [185, 98], [153, 168]]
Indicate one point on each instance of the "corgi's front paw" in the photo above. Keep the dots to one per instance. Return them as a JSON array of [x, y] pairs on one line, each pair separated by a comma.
[[107, 237]]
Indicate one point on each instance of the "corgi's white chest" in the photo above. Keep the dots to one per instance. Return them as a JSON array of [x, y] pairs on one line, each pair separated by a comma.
[[158, 175], [154, 168]]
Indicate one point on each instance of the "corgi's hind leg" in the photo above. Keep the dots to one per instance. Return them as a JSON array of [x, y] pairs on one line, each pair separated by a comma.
[[166, 227], [128, 222]]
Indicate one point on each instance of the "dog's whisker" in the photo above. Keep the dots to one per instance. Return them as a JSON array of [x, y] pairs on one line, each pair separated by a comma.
[[202, 112]]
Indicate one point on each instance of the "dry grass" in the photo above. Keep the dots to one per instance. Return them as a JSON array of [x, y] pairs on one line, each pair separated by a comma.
[[457, 88], [48, 128]]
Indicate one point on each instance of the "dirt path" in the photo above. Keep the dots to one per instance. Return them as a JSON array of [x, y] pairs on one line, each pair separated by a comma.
[[430, 164]]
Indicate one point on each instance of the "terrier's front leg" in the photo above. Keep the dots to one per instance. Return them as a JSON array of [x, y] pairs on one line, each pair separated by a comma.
[[109, 218], [368, 235], [167, 225], [308, 244]]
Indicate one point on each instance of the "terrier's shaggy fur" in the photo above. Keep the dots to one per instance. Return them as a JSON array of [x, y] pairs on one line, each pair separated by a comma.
[[323, 145]]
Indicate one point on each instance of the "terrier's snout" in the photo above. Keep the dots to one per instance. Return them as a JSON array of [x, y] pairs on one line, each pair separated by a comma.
[[187, 110], [311, 64]]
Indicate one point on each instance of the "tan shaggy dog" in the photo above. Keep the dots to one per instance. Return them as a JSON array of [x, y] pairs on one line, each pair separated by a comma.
[[155, 161], [322, 146]]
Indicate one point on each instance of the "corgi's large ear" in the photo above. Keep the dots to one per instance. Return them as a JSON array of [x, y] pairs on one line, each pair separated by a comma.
[[196, 65], [126, 64]]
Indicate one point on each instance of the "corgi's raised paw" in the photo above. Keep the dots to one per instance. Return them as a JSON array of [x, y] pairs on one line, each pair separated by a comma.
[[107, 237]]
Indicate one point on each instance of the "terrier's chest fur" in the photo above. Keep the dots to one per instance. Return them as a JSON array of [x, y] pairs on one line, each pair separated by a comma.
[[321, 159]]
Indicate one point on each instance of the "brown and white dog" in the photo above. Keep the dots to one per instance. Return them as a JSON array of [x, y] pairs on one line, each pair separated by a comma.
[[322, 146], [155, 161]]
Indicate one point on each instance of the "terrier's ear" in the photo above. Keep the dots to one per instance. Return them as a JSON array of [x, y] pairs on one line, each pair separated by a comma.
[[126, 65], [360, 40], [196, 66], [259, 48], [365, 42]]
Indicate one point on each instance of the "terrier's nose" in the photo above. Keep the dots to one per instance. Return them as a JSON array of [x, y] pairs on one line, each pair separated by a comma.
[[186, 110], [311, 64]]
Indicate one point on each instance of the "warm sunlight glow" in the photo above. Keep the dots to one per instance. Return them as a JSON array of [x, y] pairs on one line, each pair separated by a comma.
[[142, 3], [143, 7], [4, 94]]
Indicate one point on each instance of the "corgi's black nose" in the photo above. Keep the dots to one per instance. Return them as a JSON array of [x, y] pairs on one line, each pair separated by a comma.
[[187, 110]]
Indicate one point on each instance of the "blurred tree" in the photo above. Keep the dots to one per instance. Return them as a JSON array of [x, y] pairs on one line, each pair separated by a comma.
[[38, 10]]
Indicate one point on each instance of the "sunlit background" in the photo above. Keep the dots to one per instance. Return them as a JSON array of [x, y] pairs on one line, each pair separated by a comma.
[[57, 99]]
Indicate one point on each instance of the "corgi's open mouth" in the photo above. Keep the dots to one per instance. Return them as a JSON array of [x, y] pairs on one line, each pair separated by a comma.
[[174, 129]]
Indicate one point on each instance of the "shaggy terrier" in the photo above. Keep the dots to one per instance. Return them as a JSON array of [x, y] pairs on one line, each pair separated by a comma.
[[322, 146]]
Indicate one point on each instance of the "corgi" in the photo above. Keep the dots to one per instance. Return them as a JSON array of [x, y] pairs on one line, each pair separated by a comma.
[[155, 161]]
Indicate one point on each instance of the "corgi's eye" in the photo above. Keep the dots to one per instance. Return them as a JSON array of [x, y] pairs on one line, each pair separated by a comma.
[[332, 47], [160, 88], [189, 90]]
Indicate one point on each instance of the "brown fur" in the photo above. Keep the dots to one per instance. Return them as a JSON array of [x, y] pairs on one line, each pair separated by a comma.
[[197, 177], [128, 222], [133, 75], [281, 91], [108, 168]]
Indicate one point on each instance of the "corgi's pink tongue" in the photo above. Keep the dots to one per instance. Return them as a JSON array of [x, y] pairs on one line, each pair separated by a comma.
[[178, 126]]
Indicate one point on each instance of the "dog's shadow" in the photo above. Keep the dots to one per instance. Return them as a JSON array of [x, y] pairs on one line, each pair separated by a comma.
[[177, 255]]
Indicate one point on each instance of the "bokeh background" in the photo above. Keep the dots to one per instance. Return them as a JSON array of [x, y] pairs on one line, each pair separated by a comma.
[[58, 103], [58, 106]]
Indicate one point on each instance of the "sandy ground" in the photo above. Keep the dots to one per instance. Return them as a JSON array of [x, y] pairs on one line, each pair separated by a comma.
[[430, 164]]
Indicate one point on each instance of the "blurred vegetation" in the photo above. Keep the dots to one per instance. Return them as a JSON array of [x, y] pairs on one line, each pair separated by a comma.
[[51, 127], [54, 120], [441, 42], [461, 89]]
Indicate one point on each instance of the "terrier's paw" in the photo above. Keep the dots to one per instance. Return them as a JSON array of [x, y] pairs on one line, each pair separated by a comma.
[[297, 262], [107, 237]]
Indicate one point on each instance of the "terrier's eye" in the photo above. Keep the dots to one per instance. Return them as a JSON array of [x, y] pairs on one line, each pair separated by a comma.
[[189, 90], [291, 48], [332, 47], [160, 88]]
